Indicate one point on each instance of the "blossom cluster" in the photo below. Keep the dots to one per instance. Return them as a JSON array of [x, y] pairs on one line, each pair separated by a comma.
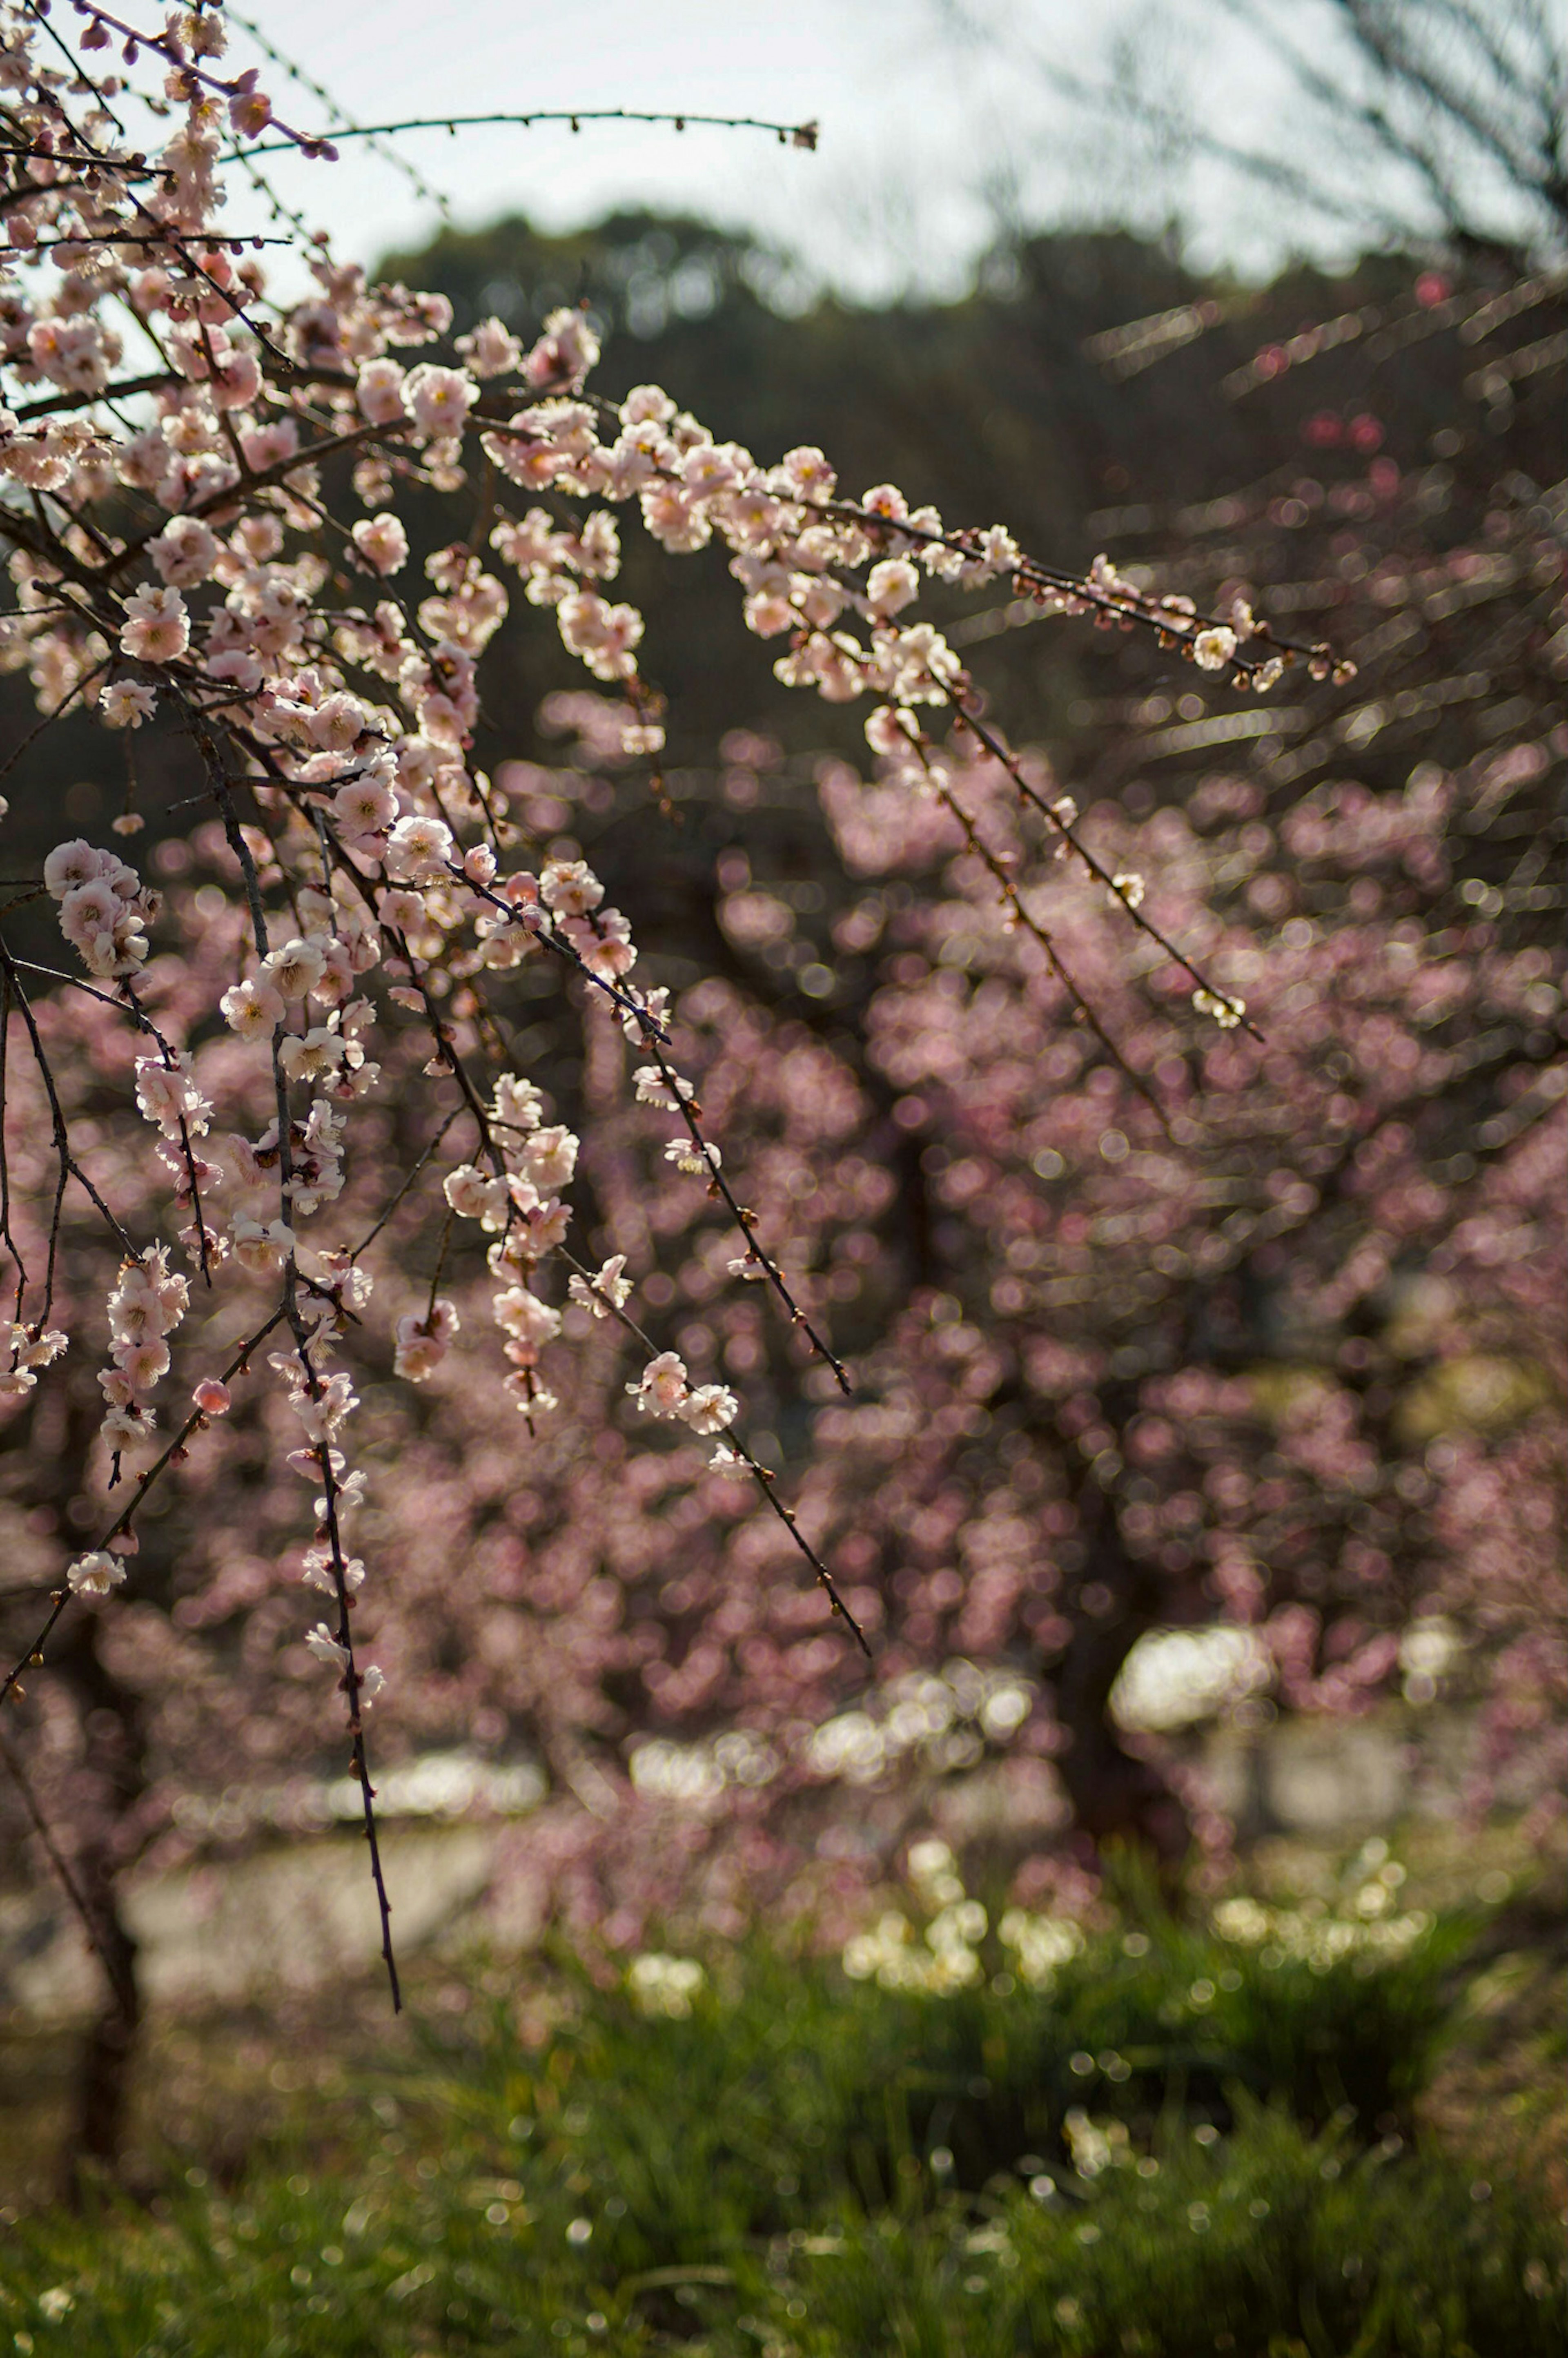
[[322, 1405], [28, 1350], [103, 909], [149, 1303]]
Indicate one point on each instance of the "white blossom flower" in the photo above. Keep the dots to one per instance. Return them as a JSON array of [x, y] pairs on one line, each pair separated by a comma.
[[524, 1317], [260, 1249], [294, 970], [364, 806], [1227, 1013], [325, 1647], [549, 1157], [662, 1388], [649, 1009], [39, 1350], [169, 1096], [87, 910], [698, 1162], [890, 586], [476, 1194], [710, 1408], [157, 626], [382, 542], [564, 354], [378, 390], [95, 1574], [419, 849], [184, 552], [653, 1089], [312, 1055], [440, 398], [126, 703], [491, 350], [70, 865], [517, 1104], [143, 1363], [891, 733], [608, 1289], [570, 888], [251, 1008], [319, 1572]]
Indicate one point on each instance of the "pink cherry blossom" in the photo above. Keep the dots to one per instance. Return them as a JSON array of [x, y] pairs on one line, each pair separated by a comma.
[[157, 626]]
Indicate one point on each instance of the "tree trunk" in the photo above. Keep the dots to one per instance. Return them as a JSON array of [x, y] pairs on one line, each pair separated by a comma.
[[1116, 1796], [110, 1721], [97, 2136]]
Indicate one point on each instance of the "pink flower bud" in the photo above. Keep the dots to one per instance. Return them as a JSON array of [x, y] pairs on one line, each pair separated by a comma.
[[211, 1397]]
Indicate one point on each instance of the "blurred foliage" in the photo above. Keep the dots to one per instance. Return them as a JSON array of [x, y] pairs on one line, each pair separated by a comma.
[[1174, 2147]]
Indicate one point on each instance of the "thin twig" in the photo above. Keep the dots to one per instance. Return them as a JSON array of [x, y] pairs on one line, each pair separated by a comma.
[[115, 1973]]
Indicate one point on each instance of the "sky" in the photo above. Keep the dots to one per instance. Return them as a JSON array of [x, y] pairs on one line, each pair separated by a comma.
[[921, 128]]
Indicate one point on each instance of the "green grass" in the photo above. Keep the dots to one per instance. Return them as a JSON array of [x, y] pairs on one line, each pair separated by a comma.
[[1182, 2145]]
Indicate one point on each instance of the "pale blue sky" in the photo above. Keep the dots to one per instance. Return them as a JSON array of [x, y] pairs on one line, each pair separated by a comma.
[[918, 125], [912, 124]]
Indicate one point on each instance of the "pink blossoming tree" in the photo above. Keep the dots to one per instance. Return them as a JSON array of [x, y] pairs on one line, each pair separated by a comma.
[[1038, 1258]]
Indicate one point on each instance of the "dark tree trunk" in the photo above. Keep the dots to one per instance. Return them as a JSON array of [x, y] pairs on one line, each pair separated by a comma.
[[111, 1720], [97, 1851], [97, 2137], [1116, 1795]]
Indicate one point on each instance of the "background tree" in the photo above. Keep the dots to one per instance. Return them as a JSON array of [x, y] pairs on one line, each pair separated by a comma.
[[1409, 125]]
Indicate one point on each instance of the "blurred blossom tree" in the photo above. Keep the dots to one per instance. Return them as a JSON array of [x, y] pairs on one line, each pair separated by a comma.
[[1113, 1220], [1403, 123]]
